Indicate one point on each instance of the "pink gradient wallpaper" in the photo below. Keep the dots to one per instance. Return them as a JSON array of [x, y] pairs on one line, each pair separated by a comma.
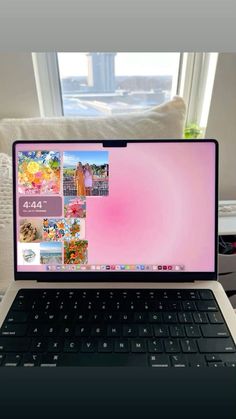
[[160, 208]]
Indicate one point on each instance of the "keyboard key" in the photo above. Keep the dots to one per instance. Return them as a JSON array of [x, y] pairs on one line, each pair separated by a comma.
[[155, 346], [140, 317], [67, 330], [208, 305], [206, 295], [113, 331], [189, 306], [50, 330], [82, 330], [159, 306], [50, 360], [196, 360], [188, 345], [185, 317], [10, 329], [197, 364], [192, 295], [178, 295], [88, 346], [170, 317], [38, 345], [80, 317], [125, 317], [31, 360], [50, 317], [12, 360], [193, 331], [161, 331], [111, 317], [54, 345], [122, 345], [214, 331], [171, 345], [215, 318], [37, 317], [17, 317], [230, 364], [178, 361], [155, 317], [145, 331], [104, 360], [200, 318], [174, 306], [213, 345], [138, 346], [130, 331], [215, 364], [177, 331], [70, 346], [95, 317], [213, 358], [36, 330], [98, 331], [14, 344], [159, 361], [105, 346], [19, 305]]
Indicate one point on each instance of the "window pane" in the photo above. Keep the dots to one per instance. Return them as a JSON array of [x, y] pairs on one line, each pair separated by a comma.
[[96, 84]]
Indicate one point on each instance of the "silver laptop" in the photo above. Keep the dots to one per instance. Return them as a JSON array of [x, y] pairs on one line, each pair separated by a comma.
[[115, 257]]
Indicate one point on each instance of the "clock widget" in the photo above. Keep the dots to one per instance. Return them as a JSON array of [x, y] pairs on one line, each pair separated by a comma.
[[40, 206]]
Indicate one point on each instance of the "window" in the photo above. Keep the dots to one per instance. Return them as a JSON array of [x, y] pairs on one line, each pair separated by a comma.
[[98, 83], [95, 84]]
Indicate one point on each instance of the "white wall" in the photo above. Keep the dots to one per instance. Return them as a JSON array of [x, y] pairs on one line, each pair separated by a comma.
[[18, 95], [222, 122]]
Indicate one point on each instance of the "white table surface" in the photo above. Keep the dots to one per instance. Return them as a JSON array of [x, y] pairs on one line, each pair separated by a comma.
[[227, 223]]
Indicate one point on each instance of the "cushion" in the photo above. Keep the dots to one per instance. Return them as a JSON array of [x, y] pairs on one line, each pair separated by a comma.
[[164, 121]]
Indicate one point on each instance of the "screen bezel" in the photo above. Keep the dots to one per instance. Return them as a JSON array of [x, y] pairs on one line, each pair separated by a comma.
[[114, 276]]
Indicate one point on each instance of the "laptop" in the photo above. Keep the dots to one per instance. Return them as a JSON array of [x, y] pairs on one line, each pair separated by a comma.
[[115, 257]]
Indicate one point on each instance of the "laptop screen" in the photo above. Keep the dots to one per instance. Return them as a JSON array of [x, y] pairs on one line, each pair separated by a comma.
[[147, 206]]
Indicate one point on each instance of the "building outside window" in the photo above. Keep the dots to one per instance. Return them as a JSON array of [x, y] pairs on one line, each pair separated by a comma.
[[96, 84]]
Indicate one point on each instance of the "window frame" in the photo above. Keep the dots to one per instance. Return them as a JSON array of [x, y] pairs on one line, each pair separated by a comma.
[[191, 83]]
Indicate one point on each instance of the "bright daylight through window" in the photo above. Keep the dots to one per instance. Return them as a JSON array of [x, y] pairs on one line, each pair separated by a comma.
[[97, 84]]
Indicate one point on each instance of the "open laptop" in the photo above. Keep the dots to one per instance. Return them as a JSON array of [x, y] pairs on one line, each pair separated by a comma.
[[115, 255]]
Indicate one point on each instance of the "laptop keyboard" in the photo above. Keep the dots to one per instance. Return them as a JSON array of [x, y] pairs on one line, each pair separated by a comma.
[[116, 327]]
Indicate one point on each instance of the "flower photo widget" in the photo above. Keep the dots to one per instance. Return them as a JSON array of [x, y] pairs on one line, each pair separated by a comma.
[[50, 253], [75, 207], [60, 229], [28, 254], [76, 252], [39, 172], [30, 230]]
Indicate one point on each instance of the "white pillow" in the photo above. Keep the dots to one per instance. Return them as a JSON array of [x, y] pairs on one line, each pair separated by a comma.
[[165, 121]]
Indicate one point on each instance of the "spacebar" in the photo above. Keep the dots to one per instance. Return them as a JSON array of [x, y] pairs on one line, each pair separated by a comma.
[[102, 360]]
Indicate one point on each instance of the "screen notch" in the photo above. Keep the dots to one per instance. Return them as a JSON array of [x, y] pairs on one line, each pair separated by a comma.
[[114, 143]]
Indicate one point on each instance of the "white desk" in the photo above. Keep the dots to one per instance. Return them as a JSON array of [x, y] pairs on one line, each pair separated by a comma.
[[227, 223]]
